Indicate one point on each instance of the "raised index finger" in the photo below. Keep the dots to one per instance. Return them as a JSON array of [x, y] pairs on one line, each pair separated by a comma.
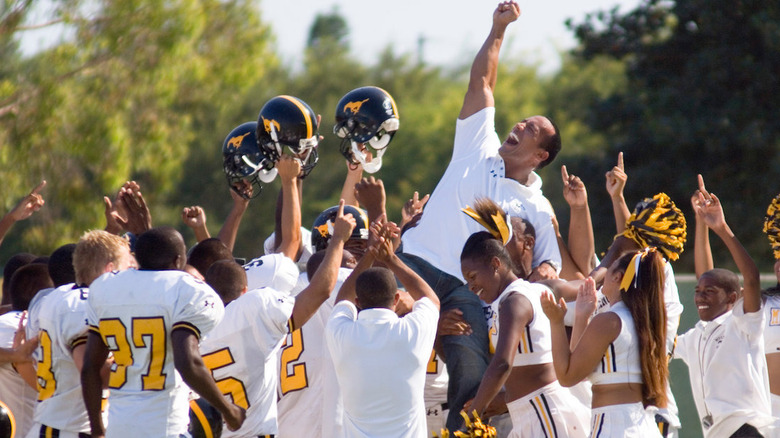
[[564, 174], [40, 187], [620, 161], [341, 208], [701, 186]]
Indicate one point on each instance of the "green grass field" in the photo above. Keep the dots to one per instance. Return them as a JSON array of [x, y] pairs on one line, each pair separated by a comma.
[[678, 371]]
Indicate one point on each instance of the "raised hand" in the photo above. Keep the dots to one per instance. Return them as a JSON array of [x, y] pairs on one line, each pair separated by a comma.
[[413, 207], [29, 204], [138, 217], [554, 311], [708, 207], [288, 167], [616, 178], [586, 299], [194, 217], [573, 189], [505, 13], [343, 225], [370, 193], [242, 191]]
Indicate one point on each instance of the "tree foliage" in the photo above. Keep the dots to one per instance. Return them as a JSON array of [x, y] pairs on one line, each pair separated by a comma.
[[702, 77]]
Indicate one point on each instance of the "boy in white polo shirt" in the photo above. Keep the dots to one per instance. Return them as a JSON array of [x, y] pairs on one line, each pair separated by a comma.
[[380, 359], [725, 350]]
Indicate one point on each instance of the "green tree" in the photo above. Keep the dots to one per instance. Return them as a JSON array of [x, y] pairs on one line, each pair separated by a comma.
[[139, 87], [701, 81]]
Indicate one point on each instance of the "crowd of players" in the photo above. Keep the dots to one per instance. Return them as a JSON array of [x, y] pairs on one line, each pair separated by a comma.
[[473, 309]]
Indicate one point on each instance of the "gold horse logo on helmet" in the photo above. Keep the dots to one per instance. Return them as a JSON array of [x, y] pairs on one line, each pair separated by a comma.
[[235, 142], [354, 106], [324, 230], [267, 125]]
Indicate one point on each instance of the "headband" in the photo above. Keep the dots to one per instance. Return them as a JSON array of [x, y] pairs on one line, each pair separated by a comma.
[[632, 270]]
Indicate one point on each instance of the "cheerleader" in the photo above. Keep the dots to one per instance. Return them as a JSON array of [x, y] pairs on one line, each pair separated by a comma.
[[622, 350]]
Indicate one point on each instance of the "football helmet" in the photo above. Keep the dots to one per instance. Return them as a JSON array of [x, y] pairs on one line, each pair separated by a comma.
[[205, 420], [289, 121], [366, 116], [7, 422], [243, 160], [322, 229]]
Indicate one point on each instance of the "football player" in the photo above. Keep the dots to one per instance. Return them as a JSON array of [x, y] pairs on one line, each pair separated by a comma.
[[241, 351], [60, 319], [151, 319]]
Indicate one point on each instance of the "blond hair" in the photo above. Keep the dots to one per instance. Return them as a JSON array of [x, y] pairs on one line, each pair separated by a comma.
[[95, 250]]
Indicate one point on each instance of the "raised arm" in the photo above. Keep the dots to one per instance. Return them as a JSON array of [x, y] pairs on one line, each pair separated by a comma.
[[711, 211], [370, 192], [289, 168], [324, 280], [195, 218], [702, 251], [582, 244], [227, 234], [354, 175], [416, 286], [24, 209], [616, 182], [484, 70]]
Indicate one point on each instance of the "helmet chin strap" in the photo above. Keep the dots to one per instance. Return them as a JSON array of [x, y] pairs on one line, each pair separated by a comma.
[[369, 166], [267, 176]]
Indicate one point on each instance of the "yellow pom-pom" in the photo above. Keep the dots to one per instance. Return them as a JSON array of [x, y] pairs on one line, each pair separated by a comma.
[[772, 225], [657, 222]]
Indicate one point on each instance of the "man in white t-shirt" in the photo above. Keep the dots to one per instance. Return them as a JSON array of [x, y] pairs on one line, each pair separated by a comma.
[[381, 359], [482, 166]]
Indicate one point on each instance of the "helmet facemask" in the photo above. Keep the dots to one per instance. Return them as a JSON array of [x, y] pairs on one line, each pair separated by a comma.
[[241, 168], [355, 132], [305, 152]]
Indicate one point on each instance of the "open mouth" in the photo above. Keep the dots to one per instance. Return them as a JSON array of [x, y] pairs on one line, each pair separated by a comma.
[[512, 138], [478, 292]]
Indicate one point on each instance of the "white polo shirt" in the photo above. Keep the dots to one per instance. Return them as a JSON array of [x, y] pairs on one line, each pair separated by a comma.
[[476, 170], [380, 361], [728, 372]]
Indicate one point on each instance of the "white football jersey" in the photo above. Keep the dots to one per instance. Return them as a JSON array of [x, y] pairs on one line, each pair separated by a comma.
[[62, 322], [134, 312], [14, 391], [309, 396], [276, 271], [241, 354]]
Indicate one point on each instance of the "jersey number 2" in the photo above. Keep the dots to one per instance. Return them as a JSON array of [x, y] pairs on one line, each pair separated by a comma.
[[291, 352]]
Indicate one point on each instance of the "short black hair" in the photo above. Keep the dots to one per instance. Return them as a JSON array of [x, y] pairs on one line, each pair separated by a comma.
[[552, 145], [725, 279], [158, 248], [206, 252], [227, 278], [15, 262], [376, 288], [26, 282], [61, 268]]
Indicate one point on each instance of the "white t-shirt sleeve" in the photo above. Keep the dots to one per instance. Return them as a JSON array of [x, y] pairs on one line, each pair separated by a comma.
[[197, 308], [684, 348], [475, 132], [546, 246], [426, 316], [344, 312]]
